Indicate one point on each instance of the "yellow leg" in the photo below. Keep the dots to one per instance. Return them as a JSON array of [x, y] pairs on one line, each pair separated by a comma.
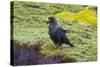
[[56, 49]]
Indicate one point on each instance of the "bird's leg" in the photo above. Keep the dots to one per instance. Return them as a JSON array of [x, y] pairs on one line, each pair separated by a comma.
[[54, 47], [57, 48]]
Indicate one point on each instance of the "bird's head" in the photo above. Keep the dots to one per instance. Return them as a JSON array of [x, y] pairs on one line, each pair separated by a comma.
[[51, 20]]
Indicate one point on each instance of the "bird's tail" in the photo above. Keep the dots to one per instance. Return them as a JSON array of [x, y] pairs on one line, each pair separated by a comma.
[[68, 42], [71, 45]]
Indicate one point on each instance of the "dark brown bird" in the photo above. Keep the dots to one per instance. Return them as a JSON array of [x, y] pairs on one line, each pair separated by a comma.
[[56, 33]]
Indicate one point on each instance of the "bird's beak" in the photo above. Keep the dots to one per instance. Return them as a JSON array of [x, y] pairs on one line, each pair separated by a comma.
[[47, 20]]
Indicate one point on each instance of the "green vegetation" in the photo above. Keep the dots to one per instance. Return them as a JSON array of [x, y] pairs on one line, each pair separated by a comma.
[[30, 27]]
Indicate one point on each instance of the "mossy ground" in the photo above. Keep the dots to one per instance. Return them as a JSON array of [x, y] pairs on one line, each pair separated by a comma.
[[30, 27]]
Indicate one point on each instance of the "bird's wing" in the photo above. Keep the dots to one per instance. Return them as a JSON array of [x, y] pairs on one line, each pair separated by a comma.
[[63, 30]]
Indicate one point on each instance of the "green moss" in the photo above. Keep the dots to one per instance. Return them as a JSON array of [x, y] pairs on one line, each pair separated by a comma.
[[30, 27]]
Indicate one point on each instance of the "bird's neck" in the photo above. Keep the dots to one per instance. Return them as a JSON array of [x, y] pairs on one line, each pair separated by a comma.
[[53, 27]]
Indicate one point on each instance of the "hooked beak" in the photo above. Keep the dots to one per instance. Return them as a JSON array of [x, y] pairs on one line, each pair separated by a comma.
[[47, 20]]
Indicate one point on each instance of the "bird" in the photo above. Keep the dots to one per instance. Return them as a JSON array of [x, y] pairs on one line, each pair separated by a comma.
[[57, 34]]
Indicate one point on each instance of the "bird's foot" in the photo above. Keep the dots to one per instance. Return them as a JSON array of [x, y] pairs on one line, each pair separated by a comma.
[[56, 50]]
